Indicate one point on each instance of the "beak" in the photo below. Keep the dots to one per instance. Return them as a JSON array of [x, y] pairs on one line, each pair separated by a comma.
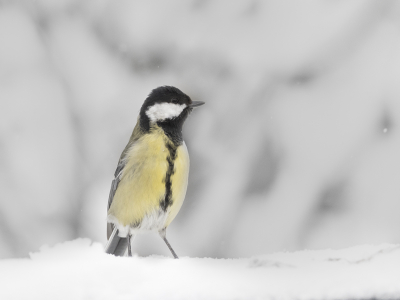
[[196, 103]]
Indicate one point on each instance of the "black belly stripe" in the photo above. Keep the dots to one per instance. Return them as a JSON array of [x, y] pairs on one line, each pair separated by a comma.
[[167, 201]]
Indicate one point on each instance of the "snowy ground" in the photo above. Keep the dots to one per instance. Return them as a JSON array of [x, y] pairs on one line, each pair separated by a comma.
[[81, 270]]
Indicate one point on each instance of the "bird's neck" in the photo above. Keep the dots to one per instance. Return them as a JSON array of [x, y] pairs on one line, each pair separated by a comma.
[[171, 127], [172, 131]]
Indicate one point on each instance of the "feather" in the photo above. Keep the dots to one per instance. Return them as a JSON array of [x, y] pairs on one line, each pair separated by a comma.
[[116, 245]]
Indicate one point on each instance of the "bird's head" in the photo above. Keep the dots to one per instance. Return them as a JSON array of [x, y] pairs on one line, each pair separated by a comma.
[[166, 106]]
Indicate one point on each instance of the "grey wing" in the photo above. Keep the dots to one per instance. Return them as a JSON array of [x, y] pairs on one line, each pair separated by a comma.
[[116, 245], [114, 186]]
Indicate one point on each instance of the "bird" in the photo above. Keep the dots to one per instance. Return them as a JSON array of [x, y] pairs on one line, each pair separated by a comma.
[[151, 178]]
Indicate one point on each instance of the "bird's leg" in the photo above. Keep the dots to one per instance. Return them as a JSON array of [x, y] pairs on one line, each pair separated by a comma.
[[163, 234], [129, 245]]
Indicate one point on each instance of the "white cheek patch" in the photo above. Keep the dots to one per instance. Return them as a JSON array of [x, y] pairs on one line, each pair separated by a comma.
[[162, 111]]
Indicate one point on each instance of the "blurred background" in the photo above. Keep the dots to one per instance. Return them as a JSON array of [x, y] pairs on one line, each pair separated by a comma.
[[298, 145]]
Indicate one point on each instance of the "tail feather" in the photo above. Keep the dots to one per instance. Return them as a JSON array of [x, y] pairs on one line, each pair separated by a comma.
[[116, 245]]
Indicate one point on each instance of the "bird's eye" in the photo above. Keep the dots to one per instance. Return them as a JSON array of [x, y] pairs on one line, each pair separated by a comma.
[[175, 101]]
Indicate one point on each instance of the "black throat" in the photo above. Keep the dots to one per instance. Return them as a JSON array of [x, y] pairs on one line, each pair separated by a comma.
[[171, 127], [173, 132]]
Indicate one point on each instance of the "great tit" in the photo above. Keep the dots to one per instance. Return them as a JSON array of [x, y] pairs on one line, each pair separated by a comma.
[[152, 174]]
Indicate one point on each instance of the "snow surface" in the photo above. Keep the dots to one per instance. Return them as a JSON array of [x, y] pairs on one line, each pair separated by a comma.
[[81, 270]]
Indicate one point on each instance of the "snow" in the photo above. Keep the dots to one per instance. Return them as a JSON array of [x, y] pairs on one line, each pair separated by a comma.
[[80, 269]]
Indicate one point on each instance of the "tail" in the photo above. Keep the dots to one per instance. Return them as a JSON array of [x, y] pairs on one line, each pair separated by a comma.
[[116, 245]]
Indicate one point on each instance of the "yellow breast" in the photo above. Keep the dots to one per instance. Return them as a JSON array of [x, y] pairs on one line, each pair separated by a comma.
[[179, 181], [142, 187]]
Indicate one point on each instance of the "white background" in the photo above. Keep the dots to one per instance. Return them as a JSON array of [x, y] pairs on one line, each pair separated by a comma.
[[298, 145]]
